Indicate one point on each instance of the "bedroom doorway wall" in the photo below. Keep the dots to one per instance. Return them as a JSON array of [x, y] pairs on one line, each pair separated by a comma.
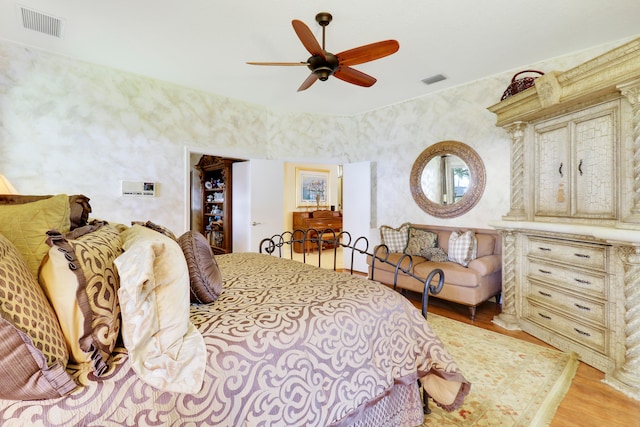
[[358, 217], [258, 202], [357, 196]]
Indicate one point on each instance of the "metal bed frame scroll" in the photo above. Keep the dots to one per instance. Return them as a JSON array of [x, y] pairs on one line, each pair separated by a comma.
[[329, 238]]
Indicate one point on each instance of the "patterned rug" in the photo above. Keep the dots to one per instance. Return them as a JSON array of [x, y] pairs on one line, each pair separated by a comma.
[[513, 382]]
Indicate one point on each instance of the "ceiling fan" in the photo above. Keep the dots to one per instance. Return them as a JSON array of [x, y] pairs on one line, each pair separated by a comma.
[[324, 64]]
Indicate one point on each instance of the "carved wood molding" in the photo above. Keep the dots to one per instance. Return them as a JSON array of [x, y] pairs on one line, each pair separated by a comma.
[[560, 91]]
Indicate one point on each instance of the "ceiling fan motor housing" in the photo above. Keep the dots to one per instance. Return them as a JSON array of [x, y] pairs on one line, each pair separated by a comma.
[[323, 67]]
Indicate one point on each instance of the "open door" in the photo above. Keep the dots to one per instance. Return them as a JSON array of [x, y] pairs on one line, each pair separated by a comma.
[[258, 202], [357, 214]]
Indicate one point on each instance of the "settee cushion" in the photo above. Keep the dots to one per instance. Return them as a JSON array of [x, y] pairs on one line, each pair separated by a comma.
[[420, 242], [394, 259], [463, 247], [81, 281], [486, 265], [33, 354], [204, 275], [26, 226], [454, 273], [395, 239]]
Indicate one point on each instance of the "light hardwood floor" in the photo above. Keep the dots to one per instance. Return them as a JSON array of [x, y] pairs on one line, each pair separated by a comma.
[[589, 401]]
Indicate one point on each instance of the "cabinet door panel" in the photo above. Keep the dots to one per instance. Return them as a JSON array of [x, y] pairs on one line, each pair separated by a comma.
[[553, 154], [594, 188]]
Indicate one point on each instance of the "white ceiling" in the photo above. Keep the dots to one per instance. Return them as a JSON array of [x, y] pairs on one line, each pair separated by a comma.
[[204, 44]]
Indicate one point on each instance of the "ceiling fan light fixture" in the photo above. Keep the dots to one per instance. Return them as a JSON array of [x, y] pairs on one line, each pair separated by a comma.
[[323, 73]]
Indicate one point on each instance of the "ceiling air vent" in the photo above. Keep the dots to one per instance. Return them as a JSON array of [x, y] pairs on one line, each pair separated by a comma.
[[433, 79], [41, 22]]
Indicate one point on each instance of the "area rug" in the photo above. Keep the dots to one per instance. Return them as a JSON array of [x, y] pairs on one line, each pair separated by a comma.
[[513, 382]]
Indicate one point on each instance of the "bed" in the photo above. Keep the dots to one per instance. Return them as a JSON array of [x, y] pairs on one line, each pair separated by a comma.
[[275, 342]]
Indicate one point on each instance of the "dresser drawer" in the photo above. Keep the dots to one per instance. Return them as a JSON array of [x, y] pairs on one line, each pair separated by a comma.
[[581, 281], [580, 308], [592, 337], [566, 251]]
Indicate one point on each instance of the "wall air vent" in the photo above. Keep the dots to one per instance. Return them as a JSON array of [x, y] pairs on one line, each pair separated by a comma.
[[41, 22]]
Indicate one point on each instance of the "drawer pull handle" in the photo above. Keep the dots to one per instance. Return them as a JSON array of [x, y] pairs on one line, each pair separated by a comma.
[[582, 255], [544, 294], [582, 307], [582, 281], [544, 249], [544, 316], [586, 334], [544, 271]]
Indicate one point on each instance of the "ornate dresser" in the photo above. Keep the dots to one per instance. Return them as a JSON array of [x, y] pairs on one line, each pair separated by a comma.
[[571, 240]]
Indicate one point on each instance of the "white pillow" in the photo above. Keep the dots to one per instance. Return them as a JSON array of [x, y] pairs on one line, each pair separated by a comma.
[[165, 349], [463, 247]]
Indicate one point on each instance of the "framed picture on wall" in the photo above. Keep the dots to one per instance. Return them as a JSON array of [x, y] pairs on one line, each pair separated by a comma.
[[312, 187]]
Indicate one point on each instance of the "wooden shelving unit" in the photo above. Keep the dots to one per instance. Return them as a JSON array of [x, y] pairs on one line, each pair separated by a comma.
[[216, 181]]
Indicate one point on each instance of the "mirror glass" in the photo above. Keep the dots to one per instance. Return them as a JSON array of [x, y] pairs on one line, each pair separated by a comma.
[[447, 179]]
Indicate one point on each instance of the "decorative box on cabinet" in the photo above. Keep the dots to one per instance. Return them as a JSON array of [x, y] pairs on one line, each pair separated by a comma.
[[571, 237]]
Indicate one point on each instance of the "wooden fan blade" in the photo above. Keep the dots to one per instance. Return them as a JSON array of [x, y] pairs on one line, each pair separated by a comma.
[[353, 76], [283, 64], [369, 52], [307, 38], [308, 82]]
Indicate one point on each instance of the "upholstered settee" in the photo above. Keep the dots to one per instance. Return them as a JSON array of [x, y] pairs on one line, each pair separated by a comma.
[[471, 260]]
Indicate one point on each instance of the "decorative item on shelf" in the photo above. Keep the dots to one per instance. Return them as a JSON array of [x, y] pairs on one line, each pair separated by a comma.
[[518, 85], [208, 185], [210, 198]]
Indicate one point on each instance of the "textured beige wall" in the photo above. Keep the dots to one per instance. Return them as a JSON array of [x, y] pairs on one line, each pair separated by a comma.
[[68, 126]]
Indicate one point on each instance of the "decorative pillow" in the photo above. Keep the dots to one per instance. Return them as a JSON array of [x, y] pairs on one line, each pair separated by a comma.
[[420, 241], [79, 210], [463, 247], [165, 349], [33, 354], [156, 227], [435, 255], [81, 281], [395, 239], [204, 274], [26, 226], [78, 204]]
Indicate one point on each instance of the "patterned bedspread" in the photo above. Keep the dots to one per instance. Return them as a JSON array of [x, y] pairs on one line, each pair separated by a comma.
[[288, 344]]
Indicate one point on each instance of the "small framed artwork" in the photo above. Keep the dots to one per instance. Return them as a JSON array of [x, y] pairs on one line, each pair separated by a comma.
[[312, 187]]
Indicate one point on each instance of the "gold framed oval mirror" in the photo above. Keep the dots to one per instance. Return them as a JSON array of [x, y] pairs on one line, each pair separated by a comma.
[[447, 179]]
